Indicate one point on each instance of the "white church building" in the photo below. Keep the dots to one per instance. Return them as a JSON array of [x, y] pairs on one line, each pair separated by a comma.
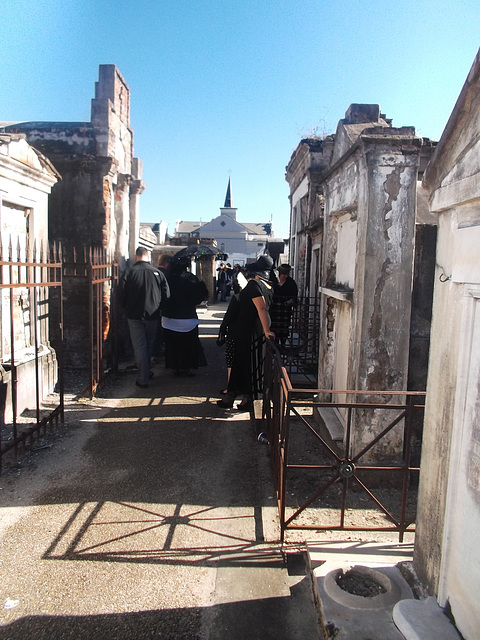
[[241, 241]]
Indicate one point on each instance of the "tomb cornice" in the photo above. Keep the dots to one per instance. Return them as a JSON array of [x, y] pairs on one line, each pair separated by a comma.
[[339, 293]]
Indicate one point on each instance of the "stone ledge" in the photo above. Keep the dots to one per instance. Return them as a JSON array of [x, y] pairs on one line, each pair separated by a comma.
[[332, 423], [423, 620], [338, 294]]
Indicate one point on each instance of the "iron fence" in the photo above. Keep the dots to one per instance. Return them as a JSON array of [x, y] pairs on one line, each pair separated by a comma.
[[93, 274], [49, 296], [27, 279], [319, 482], [299, 353]]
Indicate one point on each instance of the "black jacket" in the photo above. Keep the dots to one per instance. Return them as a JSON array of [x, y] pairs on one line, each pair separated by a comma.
[[187, 291], [141, 290]]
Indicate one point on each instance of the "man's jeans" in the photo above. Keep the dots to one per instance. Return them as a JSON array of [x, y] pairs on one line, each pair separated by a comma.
[[142, 334]]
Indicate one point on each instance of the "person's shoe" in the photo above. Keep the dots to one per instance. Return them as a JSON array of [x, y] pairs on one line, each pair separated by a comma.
[[227, 402], [142, 385], [244, 405]]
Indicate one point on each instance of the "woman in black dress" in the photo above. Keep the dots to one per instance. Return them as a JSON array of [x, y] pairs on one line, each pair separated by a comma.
[[183, 350], [285, 294], [247, 332], [229, 319]]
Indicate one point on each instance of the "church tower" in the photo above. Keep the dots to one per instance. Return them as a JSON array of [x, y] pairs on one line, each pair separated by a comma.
[[228, 209]]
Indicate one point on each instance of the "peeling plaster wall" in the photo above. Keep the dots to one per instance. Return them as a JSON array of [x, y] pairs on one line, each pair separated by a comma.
[[447, 554], [370, 198], [441, 385], [382, 326], [309, 160], [366, 176], [298, 238], [387, 276]]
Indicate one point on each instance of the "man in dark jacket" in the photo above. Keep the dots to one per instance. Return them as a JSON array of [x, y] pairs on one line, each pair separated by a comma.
[[141, 291]]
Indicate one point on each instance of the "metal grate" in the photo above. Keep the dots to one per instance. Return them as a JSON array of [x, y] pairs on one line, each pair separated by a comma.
[[28, 278], [318, 482], [299, 355], [99, 273]]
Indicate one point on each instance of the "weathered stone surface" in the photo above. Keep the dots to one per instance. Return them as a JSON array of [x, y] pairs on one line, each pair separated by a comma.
[[354, 198], [96, 204], [26, 179], [447, 556]]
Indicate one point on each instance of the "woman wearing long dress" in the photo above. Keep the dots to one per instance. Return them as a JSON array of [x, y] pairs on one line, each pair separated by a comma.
[[183, 350], [248, 332]]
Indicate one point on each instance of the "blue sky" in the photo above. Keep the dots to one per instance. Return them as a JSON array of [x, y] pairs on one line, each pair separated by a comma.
[[228, 88]]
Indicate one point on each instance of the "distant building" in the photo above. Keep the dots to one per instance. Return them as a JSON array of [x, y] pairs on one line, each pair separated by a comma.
[[160, 230], [241, 241], [147, 238]]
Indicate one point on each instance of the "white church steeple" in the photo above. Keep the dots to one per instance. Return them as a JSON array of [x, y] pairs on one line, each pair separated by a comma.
[[228, 209]]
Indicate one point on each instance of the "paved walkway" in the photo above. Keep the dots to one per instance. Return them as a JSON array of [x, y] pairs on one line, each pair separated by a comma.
[[152, 517]]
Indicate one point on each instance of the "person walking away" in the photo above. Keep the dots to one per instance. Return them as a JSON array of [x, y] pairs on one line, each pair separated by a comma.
[[217, 280], [223, 280], [183, 349], [230, 272], [248, 333], [285, 295], [159, 345], [163, 262], [141, 291]]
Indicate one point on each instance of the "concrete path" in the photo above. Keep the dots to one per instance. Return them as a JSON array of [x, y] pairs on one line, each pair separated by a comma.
[[153, 516]]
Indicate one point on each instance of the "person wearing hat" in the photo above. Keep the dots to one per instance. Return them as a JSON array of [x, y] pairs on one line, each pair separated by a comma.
[[285, 294], [223, 281], [247, 333]]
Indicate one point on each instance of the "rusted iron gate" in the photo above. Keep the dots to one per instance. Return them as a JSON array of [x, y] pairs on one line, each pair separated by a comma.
[[28, 278], [101, 273], [300, 354], [335, 477]]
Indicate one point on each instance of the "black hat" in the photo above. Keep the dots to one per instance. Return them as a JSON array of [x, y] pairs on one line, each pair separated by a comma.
[[262, 267], [179, 264], [284, 268]]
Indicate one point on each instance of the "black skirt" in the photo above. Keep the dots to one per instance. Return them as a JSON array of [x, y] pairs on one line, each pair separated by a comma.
[[246, 376], [183, 350]]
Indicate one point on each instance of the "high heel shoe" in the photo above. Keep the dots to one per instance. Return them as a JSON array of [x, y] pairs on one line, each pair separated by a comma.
[[227, 402]]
